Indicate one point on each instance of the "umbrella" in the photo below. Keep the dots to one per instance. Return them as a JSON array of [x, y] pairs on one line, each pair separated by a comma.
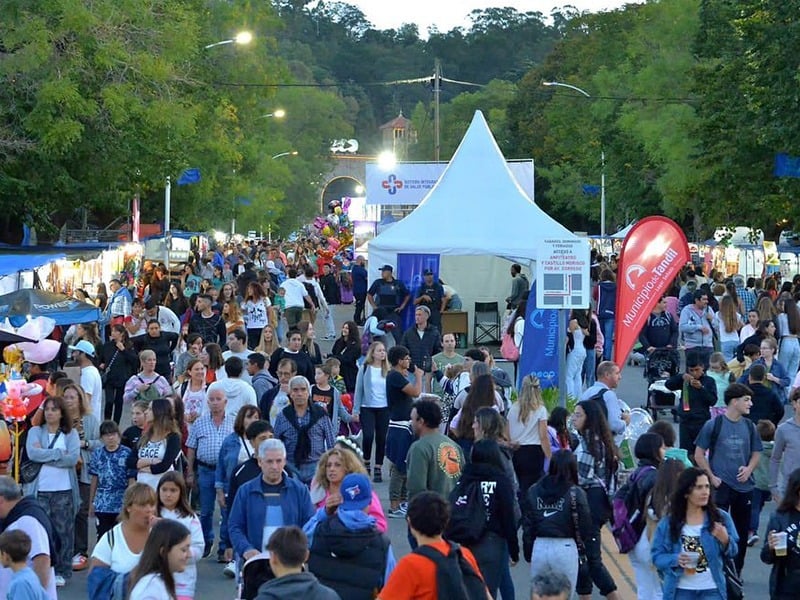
[[21, 304]]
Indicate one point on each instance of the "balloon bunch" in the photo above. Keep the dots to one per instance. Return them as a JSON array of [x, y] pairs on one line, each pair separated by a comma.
[[336, 227], [15, 410]]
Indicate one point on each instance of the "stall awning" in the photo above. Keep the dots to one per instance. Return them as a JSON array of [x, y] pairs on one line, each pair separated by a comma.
[[13, 263]]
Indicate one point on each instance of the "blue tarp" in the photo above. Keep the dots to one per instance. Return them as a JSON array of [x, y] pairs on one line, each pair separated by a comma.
[[39, 303], [13, 263]]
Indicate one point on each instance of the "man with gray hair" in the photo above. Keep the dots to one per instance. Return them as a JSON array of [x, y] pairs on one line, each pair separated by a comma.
[[550, 585], [18, 513], [305, 428], [266, 503]]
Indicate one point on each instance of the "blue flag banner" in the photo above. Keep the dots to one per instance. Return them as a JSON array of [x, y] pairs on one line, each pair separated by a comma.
[[590, 190], [540, 344], [409, 269], [189, 176], [787, 166]]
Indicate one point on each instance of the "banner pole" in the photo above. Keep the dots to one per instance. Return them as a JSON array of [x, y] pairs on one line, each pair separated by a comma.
[[562, 356]]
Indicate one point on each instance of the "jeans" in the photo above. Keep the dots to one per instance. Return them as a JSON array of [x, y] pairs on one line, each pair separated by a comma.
[[789, 356], [208, 497], [558, 554], [594, 571], [607, 325], [648, 585], [590, 367], [397, 485], [374, 425], [681, 594], [760, 498], [59, 507], [506, 587], [82, 522], [490, 552], [528, 463], [253, 337], [739, 505], [729, 350], [358, 315]]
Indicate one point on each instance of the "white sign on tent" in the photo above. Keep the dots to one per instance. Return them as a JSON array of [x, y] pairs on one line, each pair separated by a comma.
[[562, 270]]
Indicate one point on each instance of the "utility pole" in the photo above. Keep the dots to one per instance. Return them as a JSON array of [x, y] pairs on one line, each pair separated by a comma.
[[437, 88]]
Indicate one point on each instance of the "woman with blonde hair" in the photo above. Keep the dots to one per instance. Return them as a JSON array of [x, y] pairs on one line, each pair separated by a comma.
[[370, 406], [268, 342], [527, 426], [147, 384], [728, 322], [341, 460], [766, 309], [309, 346]]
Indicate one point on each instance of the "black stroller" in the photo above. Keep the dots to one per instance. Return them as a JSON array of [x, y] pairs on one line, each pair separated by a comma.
[[659, 366], [255, 572]]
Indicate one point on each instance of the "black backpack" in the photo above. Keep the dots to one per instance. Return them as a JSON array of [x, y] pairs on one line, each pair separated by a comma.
[[456, 579], [599, 399], [312, 293], [467, 514]]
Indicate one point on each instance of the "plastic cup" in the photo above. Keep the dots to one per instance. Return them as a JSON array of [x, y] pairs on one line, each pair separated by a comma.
[[691, 567], [781, 543]]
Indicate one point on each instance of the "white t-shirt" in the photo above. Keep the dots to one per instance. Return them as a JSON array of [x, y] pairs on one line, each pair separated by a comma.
[[295, 292], [92, 384], [155, 450], [702, 579], [120, 559], [168, 320], [526, 434], [280, 402], [39, 545], [376, 394], [55, 479], [186, 582], [255, 314], [149, 587]]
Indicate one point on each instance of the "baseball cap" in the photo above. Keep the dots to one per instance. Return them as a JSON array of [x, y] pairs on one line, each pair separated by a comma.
[[387, 268], [84, 346], [356, 492], [427, 272]]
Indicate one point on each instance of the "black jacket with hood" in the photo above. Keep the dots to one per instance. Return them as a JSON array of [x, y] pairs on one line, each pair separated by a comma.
[[547, 513]]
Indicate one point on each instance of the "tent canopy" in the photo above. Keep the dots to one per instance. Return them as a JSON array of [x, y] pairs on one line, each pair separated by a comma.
[[39, 303], [476, 208], [13, 263], [622, 233]]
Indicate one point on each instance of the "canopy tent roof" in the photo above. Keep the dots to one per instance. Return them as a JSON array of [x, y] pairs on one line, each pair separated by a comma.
[[622, 233], [476, 208], [39, 303], [14, 263]]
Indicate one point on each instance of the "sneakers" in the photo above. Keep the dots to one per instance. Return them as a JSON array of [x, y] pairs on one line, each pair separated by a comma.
[[79, 562], [60, 581], [399, 512], [207, 549], [329, 338], [377, 475], [753, 539], [230, 570], [221, 557]]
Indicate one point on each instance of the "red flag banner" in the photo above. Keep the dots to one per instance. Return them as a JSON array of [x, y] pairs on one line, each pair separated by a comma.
[[652, 255]]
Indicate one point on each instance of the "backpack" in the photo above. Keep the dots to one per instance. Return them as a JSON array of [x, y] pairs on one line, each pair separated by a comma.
[[467, 514], [598, 397], [105, 584], [508, 349], [715, 431], [629, 516], [151, 393], [456, 578], [311, 293]]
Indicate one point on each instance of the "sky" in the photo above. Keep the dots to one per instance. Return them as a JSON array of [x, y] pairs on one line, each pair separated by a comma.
[[447, 14]]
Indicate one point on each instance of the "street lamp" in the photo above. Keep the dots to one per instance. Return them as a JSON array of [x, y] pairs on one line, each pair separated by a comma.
[[243, 37], [278, 114], [602, 160], [292, 153]]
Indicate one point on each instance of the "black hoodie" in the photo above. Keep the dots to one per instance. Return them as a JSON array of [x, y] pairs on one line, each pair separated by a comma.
[[28, 506], [547, 513]]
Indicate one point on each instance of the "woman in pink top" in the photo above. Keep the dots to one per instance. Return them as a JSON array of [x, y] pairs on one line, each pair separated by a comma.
[[337, 462]]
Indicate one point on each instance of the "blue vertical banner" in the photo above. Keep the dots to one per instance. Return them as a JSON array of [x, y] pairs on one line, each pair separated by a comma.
[[541, 345], [409, 270]]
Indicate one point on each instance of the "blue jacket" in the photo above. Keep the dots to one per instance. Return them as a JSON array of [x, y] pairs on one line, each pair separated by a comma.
[[664, 553], [778, 370], [360, 279], [227, 461], [246, 517]]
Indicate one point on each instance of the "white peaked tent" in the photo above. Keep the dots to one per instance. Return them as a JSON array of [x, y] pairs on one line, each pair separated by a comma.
[[476, 208]]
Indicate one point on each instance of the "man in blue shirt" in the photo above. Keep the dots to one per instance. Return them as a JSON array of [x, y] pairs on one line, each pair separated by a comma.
[[360, 280]]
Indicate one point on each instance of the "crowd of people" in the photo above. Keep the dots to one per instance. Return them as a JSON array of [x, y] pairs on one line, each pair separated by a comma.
[[236, 411]]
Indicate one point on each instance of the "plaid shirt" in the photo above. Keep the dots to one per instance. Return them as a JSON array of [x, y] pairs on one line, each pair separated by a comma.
[[321, 435], [206, 437], [748, 299], [590, 472]]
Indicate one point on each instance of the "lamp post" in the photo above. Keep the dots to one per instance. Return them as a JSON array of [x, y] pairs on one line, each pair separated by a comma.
[[292, 153], [243, 37], [602, 160]]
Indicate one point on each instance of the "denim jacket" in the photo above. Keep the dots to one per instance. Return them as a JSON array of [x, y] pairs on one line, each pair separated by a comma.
[[228, 459], [665, 551]]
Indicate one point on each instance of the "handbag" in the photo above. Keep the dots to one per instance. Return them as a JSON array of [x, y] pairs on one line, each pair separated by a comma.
[[29, 469], [733, 581], [104, 374], [573, 507]]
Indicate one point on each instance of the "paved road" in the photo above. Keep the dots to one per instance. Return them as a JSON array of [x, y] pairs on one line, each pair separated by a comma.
[[212, 584]]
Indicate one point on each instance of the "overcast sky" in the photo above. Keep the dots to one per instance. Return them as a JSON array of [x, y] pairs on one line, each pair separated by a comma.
[[447, 14]]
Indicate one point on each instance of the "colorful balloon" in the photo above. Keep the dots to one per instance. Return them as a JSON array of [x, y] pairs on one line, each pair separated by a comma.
[[338, 210]]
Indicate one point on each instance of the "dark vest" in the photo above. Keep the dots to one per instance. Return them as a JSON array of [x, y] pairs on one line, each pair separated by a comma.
[[353, 563]]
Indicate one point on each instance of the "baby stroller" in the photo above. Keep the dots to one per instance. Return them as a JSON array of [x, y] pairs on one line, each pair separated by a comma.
[[255, 572], [660, 365]]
